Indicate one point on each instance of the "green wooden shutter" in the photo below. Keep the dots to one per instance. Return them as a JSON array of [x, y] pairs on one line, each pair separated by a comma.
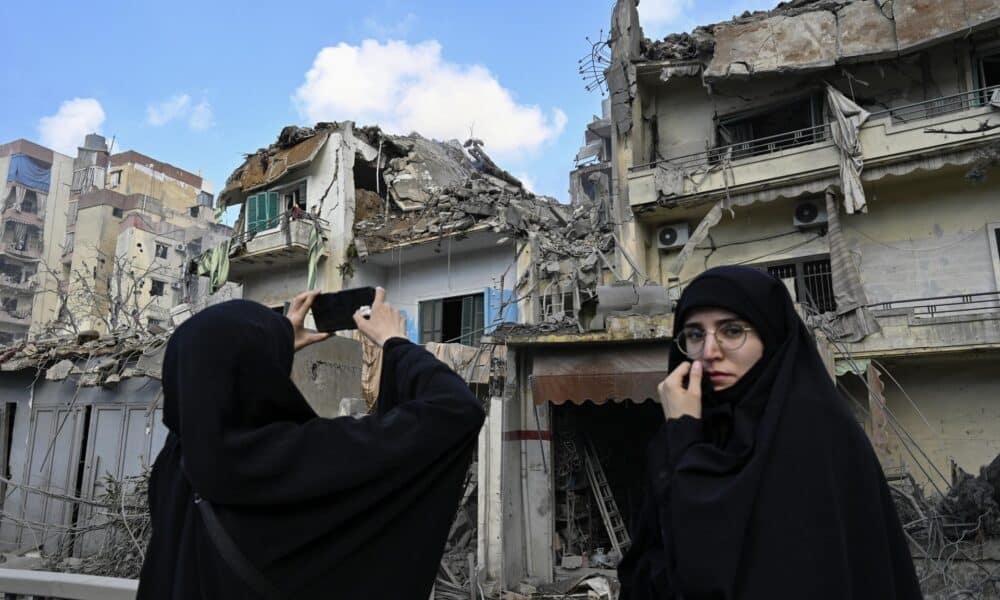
[[251, 214], [272, 210]]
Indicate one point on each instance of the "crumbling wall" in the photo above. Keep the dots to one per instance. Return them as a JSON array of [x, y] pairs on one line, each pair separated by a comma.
[[823, 33]]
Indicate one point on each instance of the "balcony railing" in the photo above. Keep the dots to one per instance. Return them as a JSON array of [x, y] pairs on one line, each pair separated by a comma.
[[938, 106], [28, 218], [21, 286], [26, 251], [940, 306], [821, 133], [21, 583], [278, 224], [14, 318]]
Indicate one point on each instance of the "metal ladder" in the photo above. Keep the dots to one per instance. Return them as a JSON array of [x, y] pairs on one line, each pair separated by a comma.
[[613, 521]]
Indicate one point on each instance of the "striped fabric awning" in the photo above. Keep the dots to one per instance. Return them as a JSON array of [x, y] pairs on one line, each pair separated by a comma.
[[602, 374]]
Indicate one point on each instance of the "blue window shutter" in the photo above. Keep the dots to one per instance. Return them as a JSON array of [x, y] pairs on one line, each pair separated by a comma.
[[494, 299], [411, 328], [510, 311]]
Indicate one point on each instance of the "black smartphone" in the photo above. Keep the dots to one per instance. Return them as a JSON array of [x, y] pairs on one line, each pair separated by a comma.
[[335, 312]]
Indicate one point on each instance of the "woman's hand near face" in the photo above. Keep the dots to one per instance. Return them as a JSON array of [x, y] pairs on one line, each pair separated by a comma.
[[383, 322], [677, 400], [297, 311]]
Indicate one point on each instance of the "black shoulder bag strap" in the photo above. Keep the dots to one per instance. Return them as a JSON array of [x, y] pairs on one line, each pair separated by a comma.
[[230, 552]]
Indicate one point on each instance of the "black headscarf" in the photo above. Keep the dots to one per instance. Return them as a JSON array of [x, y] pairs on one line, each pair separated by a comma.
[[775, 492], [322, 508]]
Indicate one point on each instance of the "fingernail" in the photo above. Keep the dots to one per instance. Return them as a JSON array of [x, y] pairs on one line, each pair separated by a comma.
[[696, 365]]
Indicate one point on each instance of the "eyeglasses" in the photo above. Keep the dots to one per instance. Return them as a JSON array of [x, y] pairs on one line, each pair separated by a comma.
[[729, 337]]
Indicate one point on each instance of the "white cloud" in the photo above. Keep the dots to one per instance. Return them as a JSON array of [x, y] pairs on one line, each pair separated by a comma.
[[409, 87], [201, 116], [65, 130], [527, 181], [180, 107], [662, 12], [391, 30], [161, 113]]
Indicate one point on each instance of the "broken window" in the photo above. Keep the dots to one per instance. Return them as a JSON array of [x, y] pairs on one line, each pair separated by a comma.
[[30, 202], [161, 250], [458, 319], [294, 197], [114, 178], [809, 281], [987, 74], [776, 128], [558, 304], [156, 287], [262, 211]]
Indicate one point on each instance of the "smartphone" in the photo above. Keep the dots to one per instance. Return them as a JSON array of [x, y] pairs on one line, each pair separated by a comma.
[[335, 312]]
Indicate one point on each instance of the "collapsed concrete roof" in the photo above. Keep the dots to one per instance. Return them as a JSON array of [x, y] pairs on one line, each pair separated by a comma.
[[819, 34], [96, 360]]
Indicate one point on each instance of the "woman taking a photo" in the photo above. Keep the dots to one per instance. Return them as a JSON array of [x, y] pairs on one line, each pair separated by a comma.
[[761, 483]]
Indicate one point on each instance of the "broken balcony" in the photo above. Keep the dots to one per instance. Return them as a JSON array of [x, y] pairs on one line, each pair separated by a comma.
[[15, 318], [24, 250], [281, 241], [941, 324], [809, 157]]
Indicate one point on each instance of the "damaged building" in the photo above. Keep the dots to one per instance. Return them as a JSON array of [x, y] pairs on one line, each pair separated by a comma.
[[843, 147]]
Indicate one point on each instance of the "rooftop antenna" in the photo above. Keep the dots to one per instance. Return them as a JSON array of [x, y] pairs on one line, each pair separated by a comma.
[[592, 66]]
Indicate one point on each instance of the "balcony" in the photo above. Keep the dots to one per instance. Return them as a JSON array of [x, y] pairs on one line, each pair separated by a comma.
[[809, 155], [940, 324], [30, 251], [285, 244], [15, 318], [28, 218], [25, 287]]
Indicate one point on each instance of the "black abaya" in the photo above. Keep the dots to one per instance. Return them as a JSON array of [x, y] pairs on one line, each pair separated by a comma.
[[322, 508], [775, 492]]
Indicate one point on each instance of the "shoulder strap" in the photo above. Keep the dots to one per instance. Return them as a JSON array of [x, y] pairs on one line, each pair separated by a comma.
[[231, 553]]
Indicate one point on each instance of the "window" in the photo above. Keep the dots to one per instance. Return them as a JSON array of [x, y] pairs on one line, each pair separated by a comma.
[[262, 211], [156, 287], [557, 304], [458, 319], [114, 178], [994, 238], [809, 281], [117, 212], [779, 127], [160, 250], [30, 202], [153, 323]]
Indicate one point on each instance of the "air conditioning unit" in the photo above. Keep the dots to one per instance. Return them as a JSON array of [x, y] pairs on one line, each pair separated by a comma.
[[181, 247], [810, 213], [176, 285], [674, 235]]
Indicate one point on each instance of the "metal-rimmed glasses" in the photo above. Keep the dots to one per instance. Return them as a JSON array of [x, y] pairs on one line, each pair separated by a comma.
[[729, 337]]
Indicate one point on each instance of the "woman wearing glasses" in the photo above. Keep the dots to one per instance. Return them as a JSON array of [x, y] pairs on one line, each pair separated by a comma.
[[761, 482]]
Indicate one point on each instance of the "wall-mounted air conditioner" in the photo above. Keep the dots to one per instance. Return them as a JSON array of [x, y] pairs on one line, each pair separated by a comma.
[[810, 213], [674, 235]]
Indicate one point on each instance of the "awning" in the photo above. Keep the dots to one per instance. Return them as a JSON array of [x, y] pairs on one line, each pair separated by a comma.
[[600, 375]]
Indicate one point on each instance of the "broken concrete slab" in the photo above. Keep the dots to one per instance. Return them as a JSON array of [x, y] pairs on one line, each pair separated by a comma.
[[776, 44], [863, 30]]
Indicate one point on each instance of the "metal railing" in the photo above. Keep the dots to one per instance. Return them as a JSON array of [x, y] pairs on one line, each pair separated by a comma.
[[935, 107], [821, 133], [278, 224], [31, 250], [22, 584], [944, 305]]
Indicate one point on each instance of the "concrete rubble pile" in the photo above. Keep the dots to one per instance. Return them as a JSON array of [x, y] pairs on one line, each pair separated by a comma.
[[439, 189], [96, 360], [455, 579]]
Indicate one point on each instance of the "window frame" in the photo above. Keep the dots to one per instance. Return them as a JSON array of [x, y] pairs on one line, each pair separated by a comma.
[[993, 230], [799, 263], [818, 117], [157, 253], [430, 319], [270, 222], [152, 286]]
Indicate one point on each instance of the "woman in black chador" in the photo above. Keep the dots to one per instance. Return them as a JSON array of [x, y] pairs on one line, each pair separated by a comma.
[[255, 496], [762, 485]]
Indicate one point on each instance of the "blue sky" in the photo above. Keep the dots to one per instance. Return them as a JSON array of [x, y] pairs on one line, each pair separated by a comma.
[[198, 84]]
